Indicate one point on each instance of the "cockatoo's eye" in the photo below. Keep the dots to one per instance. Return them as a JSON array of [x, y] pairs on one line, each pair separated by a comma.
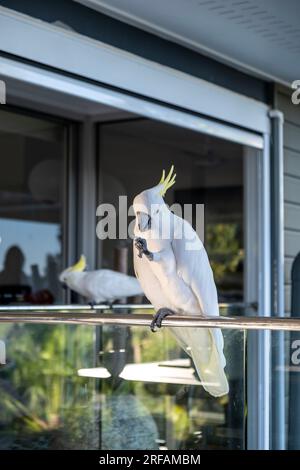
[[144, 221]]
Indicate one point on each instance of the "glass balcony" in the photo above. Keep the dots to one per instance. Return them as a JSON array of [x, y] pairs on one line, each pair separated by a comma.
[[120, 386]]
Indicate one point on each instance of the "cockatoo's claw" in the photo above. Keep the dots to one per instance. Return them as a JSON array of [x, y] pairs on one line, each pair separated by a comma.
[[158, 318], [92, 304], [141, 245]]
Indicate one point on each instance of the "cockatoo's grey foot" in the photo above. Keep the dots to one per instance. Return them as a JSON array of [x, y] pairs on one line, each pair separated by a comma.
[[141, 245], [92, 304], [159, 316]]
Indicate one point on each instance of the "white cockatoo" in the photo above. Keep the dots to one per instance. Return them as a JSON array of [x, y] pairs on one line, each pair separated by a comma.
[[102, 285], [172, 266]]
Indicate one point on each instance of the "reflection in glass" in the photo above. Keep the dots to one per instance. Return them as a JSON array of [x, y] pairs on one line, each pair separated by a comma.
[[159, 376], [141, 389], [132, 155], [44, 404], [143, 393], [30, 209], [35, 389], [209, 170]]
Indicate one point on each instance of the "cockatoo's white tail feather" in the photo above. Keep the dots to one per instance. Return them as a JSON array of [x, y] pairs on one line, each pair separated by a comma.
[[211, 373], [205, 347]]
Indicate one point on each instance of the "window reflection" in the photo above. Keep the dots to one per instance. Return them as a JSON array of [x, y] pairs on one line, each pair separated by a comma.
[[30, 209], [132, 155], [154, 369], [139, 390], [50, 399], [36, 392], [158, 379]]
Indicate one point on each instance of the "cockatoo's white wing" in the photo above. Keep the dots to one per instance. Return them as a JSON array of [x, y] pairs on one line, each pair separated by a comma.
[[149, 282], [205, 346], [152, 288], [107, 285], [121, 285]]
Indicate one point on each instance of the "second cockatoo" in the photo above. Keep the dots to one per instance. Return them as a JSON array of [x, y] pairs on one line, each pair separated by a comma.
[[102, 285], [172, 266]]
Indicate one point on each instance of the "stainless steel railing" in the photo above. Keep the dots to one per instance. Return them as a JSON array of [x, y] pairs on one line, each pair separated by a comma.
[[88, 315], [101, 307]]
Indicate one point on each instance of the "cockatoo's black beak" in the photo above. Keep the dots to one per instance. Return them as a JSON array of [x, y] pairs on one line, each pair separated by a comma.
[[64, 285], [144, 221]]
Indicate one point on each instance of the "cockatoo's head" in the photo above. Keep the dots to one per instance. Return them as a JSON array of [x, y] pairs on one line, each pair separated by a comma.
[[150, 209], [76, 268]]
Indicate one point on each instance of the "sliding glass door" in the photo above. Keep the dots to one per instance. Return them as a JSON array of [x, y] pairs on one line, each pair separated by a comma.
[[216, 177], [44, 404], [112, 386]]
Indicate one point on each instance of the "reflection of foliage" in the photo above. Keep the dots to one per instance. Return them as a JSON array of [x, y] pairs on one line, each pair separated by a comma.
[[186, 416], [46, 405], [223, 243], [152, 348], [37, 407]]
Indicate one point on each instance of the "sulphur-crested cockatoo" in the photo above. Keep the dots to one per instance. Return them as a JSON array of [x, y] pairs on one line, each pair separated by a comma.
[[102, 285], [172, 266]]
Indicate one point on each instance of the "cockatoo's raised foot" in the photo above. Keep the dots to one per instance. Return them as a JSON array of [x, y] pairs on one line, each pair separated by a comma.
[[159, 316], [141, 246]]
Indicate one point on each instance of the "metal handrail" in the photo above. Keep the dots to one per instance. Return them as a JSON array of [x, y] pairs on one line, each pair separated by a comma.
[[87, 315], [101, 307]]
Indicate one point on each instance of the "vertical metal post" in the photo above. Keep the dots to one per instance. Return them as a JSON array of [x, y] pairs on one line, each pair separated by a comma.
[[257, 287], [87, 193], [258, 342], [251, 263], [277, 280], [70, 194], [86, 227], [264, 288]]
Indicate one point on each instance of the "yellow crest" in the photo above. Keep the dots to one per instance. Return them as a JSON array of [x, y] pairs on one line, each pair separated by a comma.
[[167, 182], [79, 266]]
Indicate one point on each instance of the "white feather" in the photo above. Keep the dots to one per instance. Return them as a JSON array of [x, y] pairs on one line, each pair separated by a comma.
[[103, 285]]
